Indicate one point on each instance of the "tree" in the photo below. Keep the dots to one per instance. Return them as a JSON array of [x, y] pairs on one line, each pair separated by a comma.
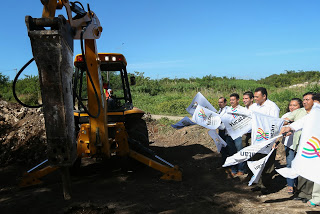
[[3, 79]]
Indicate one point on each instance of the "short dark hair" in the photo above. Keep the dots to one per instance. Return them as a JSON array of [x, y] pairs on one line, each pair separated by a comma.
[[224, 99], [296, 99], [262, 90], [316, 97], [309, 93], [235, 95], [249, 93]]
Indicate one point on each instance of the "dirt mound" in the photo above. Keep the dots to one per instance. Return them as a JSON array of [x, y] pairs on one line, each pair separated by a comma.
[[22, 135]]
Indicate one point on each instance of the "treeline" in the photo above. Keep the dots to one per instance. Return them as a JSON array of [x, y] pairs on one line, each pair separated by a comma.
[[222, 84], [219, 84], [172, 96], [27, 89], [291, 78]]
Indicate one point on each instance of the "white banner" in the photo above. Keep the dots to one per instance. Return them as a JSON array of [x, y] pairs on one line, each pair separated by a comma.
[[307, 160], [257, 167], [247, 152], [264, 127], [199, 99], [183, 123], [206, 118], [217, 139], [287, 172], [236, 124]]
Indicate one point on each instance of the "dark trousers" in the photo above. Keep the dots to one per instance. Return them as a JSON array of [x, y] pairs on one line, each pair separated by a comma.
[[246, 140], [224, 150], [233, 147], [304, 188]]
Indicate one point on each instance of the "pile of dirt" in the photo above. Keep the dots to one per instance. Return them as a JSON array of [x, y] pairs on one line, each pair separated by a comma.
[[22, 135]]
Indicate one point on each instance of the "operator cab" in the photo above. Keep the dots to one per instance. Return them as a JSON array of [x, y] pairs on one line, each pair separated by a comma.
[[114, 80]]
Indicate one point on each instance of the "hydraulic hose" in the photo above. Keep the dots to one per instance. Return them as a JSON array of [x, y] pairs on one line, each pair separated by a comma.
[[14, 86], [79, 98]]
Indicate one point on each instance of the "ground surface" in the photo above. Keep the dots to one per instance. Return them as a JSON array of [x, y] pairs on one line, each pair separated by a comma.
[[111, 188]]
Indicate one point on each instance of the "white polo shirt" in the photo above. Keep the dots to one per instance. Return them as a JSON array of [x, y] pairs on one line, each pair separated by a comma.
[[230, 109], [268, 108]]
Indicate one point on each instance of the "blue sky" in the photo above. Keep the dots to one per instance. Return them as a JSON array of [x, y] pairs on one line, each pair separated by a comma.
[[248, 39]]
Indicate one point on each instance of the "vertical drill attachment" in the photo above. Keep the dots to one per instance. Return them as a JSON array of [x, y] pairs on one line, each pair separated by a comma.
[[53, 52], [52, 47]]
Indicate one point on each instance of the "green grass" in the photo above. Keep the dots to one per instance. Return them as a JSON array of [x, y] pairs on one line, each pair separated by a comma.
[[172, 96], [175, 103]]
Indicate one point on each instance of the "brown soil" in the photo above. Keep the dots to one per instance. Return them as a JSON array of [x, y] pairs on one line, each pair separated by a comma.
[[109, 187]]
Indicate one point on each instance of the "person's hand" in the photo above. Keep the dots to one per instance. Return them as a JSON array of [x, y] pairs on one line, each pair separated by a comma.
[[286, 130], [279, 139], [275, 145]]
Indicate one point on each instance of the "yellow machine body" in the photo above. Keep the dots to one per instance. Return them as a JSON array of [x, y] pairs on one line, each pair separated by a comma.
[[105, 128]]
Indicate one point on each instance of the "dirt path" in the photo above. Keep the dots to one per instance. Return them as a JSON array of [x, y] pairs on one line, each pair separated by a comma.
[[157, 117]]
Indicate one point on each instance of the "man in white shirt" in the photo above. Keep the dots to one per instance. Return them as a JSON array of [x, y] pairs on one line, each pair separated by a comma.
[[265, 106], [222, 102], [306, 190], [235, 145]]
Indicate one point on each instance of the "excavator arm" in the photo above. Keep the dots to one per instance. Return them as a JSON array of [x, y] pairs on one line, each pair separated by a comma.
[[52, 46]]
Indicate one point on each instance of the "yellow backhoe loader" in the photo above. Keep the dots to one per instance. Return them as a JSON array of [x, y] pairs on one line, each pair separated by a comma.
[[80, 120]]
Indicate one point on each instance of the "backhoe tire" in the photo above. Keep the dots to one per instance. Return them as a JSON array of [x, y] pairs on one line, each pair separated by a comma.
[[137, 130]]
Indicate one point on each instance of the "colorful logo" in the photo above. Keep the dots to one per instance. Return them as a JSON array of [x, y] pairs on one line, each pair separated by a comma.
[[202, 114], [261, 135], [314, 150], [234, 110]]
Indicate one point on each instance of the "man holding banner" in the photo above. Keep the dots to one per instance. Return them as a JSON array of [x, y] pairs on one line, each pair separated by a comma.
[[307, 158], [235, 145], [264, 106]]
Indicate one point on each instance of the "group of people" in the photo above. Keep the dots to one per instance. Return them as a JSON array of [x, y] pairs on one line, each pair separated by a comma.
[[301, 188]]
